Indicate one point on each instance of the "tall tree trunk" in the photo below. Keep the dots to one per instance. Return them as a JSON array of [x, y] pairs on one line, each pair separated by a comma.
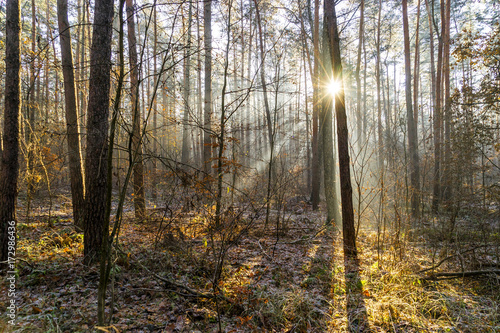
[[316, 170], [432, 64], [138, 166], [222, 123], [72, 119], [186, 142], [326, 130], [416, 70], [9, 167], [349, 234], [97, 130], [263, 75], [31, 112], [436, 198], [380, 132], [359, 119], [207, 113], [447, 175], [154, 193], [412, 129], [270, 127]]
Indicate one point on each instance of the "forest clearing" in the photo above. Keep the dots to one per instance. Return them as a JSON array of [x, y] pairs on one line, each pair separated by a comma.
[[250, 166]]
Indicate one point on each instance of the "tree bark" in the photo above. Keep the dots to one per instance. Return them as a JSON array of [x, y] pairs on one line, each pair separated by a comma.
[[380, 132], [97, 130], [359, 118], [154, 191], [186, 142], [416, 70], [326, 130], [207, 114], [72, 120], [437, 125], [412, 135], [138, 166], [349, 234], [316, 170], [9, 167], [447, 190]]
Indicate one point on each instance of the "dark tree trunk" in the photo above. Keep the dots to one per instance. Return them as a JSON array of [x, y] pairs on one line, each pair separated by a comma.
[[447, 175], [72, 122], [350, 251], [97, 130], [412, 128], [316, 170], [437, 124], [9, 167]]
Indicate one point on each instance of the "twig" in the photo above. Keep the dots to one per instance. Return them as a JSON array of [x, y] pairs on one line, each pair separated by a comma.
[[169, 282], [263, 251]]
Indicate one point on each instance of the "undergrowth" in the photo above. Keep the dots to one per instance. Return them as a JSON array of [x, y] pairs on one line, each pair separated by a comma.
[[295, 284]]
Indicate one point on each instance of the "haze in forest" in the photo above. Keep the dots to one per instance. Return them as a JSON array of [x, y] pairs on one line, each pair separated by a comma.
[[249, 166]]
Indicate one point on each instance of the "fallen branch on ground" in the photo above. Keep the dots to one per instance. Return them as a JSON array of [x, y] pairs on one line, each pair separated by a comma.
[[453, 275]]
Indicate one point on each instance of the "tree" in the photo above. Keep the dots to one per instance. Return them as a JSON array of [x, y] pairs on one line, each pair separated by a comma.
[[359, 118], [270, 127], [447, 191], [316, 170], [412, 128], [326, 130], [138, 166], [9, 167], [72, 120], [186, 142], [437, 121], [207, 113], [97, 130], [349, 236]]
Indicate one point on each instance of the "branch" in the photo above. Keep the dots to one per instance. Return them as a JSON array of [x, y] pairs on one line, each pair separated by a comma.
[[453, 275]]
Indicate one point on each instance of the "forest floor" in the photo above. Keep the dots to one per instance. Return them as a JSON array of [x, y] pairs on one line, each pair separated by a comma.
[[291, 283]]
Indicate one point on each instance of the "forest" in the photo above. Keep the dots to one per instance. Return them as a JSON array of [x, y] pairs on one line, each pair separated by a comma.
[[250, 166]]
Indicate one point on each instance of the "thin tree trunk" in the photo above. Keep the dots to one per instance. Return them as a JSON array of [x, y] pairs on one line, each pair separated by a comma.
[[9, 167], [412, 135], [380, 133], [359, 119], [349, 234], [72, 119], [186, 142], [138, 166], [326, 130], [436, 198], [155, 113], [207, 114], [447, 191], [416, 71], [432, 64], [316, 170], [270, 126], [222, 124]]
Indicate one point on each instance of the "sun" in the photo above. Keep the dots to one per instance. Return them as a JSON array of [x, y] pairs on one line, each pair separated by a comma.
[[334, 87]]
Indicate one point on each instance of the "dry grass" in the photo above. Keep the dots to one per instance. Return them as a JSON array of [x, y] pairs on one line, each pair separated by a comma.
[[289, 285]]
